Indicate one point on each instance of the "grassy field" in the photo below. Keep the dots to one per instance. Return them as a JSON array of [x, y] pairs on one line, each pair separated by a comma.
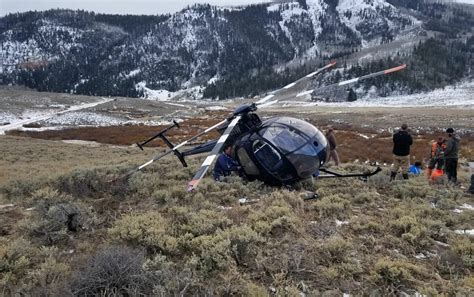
[[65, 229]]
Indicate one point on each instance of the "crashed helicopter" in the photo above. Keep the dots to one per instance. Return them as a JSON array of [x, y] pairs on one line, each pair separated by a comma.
[[278, 151]]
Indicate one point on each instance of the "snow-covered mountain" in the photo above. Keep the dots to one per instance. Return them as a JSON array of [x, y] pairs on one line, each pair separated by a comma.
[[81, 52]]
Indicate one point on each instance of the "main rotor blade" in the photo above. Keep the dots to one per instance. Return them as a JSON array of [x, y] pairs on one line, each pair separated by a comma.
[[354, 80], [289, 86], [192, 185], [174, 148]]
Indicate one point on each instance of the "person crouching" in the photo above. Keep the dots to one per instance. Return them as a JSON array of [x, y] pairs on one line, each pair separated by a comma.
[[225, 164]]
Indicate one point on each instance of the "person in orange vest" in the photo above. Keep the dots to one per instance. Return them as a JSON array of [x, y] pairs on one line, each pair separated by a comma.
[[437, 157]]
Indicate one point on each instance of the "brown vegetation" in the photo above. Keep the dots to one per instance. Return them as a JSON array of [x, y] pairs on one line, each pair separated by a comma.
[[74, 232]]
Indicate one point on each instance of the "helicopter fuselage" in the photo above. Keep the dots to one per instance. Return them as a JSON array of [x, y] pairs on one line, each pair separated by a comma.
[[281, 150]]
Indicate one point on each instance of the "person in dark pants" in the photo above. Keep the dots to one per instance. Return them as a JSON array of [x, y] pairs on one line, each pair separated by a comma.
[[451, 155], [332, 146], [401, 152], [225, 164]]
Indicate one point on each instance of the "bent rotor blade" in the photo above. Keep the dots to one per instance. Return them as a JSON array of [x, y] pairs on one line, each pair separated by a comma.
[[354, 80], [171, 150], [212, 156], [287, 87]]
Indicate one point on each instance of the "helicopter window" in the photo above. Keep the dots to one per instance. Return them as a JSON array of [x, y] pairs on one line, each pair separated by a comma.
[[302, 126], [267, 155], [305, 160], [247, 164], [285, 138]]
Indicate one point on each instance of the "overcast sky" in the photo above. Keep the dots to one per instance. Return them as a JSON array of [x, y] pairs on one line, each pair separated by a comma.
[[113, 6], [120, 6]]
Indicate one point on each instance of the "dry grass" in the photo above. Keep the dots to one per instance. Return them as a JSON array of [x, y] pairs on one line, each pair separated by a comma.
[[360, 238], [69, 223]]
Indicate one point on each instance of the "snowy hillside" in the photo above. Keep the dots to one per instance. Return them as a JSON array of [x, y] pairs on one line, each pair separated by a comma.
[[182, 50]]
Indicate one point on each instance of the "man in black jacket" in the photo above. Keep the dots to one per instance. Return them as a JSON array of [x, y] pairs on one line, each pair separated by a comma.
[[401, 152], [451, 154]]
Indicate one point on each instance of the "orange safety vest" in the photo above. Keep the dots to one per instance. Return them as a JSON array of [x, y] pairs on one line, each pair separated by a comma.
[[437, 150]]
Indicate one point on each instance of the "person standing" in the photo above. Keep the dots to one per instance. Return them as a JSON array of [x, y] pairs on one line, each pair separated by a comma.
[[451, 155], [401, 152], [332, 146], [436, 156]]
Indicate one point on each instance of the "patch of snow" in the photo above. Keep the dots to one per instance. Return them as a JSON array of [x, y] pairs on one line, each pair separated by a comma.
[[420, 256], [41, 129], [159, 95], [213, 80], [457, 210], [273, 8], [215, 108], [29, 116], [83, 142], [133, 73], [7, 206], [467, 206], [340, 223], [467, 232], [363, 136], [83, 118], [442, 243], [457, 95]]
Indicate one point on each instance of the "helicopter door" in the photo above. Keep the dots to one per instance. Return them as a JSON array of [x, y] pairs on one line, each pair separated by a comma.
[[267, 155], [247, 164]]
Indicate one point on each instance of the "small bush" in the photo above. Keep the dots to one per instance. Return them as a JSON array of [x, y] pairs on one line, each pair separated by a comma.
[[365, 225], [335, 249], [54, 221], [15, 260], [204, 221], [333, 206], [148, 230], [396, 274], [19, 189], [464, 247], [116, 271], [276, 219]]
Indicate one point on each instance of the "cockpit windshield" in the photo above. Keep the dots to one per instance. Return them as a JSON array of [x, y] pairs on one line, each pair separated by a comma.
[[290, 134], [286, 139], [303, 145]]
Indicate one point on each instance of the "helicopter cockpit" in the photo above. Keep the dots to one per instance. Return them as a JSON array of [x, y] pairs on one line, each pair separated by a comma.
[[287, 149]]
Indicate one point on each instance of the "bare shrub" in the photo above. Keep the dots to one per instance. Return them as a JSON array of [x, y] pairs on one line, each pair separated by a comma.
[[53, 221], [113, 271]]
